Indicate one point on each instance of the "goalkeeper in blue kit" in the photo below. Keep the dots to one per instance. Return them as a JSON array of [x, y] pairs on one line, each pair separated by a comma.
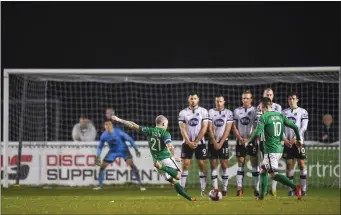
[[115, 139]]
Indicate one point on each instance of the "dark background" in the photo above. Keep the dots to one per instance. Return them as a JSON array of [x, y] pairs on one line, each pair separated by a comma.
[[169, 34], [163, 35]]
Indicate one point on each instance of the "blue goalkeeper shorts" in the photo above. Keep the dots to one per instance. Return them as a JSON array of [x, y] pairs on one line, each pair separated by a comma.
[[111, 156]]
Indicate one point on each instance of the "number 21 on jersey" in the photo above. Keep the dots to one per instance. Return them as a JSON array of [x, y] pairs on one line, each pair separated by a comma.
[[155, 143]]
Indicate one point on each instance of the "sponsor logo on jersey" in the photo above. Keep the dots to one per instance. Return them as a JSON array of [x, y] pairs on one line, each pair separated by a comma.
[[293, 119], [197, 114], [245, 120], [219, 122], [193, 122]]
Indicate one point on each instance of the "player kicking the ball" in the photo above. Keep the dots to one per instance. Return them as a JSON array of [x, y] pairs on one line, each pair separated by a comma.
[[272, 123], [162, 150], [219, 124]]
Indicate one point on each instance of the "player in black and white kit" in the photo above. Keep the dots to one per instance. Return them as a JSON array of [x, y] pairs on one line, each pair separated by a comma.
[[193, 122], [299, 116], [244, 123], [269, 93], [220, 124]]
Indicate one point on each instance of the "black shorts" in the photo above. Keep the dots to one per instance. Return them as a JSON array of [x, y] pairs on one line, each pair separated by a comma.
[[242, 151], [200, 151], [222, 153], [294, 153]]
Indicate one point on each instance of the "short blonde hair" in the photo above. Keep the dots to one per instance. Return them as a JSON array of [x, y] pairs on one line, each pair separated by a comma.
[[160, 120]]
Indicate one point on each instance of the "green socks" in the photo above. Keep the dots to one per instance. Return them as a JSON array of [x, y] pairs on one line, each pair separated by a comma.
[[172, 172], [263, 184], [278, 177], [284, 180], [179, 189]]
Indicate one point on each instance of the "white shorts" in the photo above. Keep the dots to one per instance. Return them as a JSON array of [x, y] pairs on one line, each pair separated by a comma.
[[270, 162], [170, 162]]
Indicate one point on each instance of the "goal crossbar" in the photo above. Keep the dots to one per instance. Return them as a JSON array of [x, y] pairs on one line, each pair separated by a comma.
[[172, 71]]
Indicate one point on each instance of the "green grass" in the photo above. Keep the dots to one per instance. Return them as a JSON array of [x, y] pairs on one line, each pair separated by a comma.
[[29, 200]]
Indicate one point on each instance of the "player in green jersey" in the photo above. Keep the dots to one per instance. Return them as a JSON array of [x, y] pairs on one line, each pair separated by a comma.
[[272, 123], [162, 150]]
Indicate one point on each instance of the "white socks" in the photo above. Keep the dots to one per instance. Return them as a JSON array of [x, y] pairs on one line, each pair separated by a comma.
[[255, 174], [240, 175], [202, 180], [225, 178], [184, 178], [214, 178], [303, 177]]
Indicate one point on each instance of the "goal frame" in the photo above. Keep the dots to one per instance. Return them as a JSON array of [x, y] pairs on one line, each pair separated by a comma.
[[180, 71]]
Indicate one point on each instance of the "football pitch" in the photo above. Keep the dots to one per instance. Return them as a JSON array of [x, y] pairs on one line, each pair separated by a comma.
[[62, 200]]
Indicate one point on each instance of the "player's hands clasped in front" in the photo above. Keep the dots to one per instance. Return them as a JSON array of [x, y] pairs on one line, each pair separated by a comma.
[[217, 146], [98, 161], [244, 141], [288, 143], [192, 145], [293, 141], [299, 143]]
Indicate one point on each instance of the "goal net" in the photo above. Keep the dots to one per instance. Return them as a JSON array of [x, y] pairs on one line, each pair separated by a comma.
[[41, 108]]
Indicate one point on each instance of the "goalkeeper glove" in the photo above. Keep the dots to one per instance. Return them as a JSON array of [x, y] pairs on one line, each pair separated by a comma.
[[137, 152], [98, 161]]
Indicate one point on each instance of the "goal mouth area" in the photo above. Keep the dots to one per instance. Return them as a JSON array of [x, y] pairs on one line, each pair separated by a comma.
[[43, 105]]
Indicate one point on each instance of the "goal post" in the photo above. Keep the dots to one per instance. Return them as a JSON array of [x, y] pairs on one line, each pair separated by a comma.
[[141, 94]]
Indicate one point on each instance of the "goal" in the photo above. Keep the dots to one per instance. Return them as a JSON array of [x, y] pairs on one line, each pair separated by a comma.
[[41, 106]]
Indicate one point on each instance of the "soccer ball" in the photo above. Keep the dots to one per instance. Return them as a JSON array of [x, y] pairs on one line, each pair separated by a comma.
[[215, 195]]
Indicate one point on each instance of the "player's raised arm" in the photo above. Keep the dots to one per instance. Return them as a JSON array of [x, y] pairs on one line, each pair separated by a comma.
[[129, 124], [204, 126]]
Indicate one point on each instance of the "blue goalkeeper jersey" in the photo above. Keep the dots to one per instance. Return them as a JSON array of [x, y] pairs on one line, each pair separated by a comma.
[[116, 141]]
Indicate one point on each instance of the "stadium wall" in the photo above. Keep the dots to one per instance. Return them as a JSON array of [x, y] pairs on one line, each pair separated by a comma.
[[74, 164]]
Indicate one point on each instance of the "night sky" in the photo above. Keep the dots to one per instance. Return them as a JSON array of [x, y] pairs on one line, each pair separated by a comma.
[[172, 34]]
